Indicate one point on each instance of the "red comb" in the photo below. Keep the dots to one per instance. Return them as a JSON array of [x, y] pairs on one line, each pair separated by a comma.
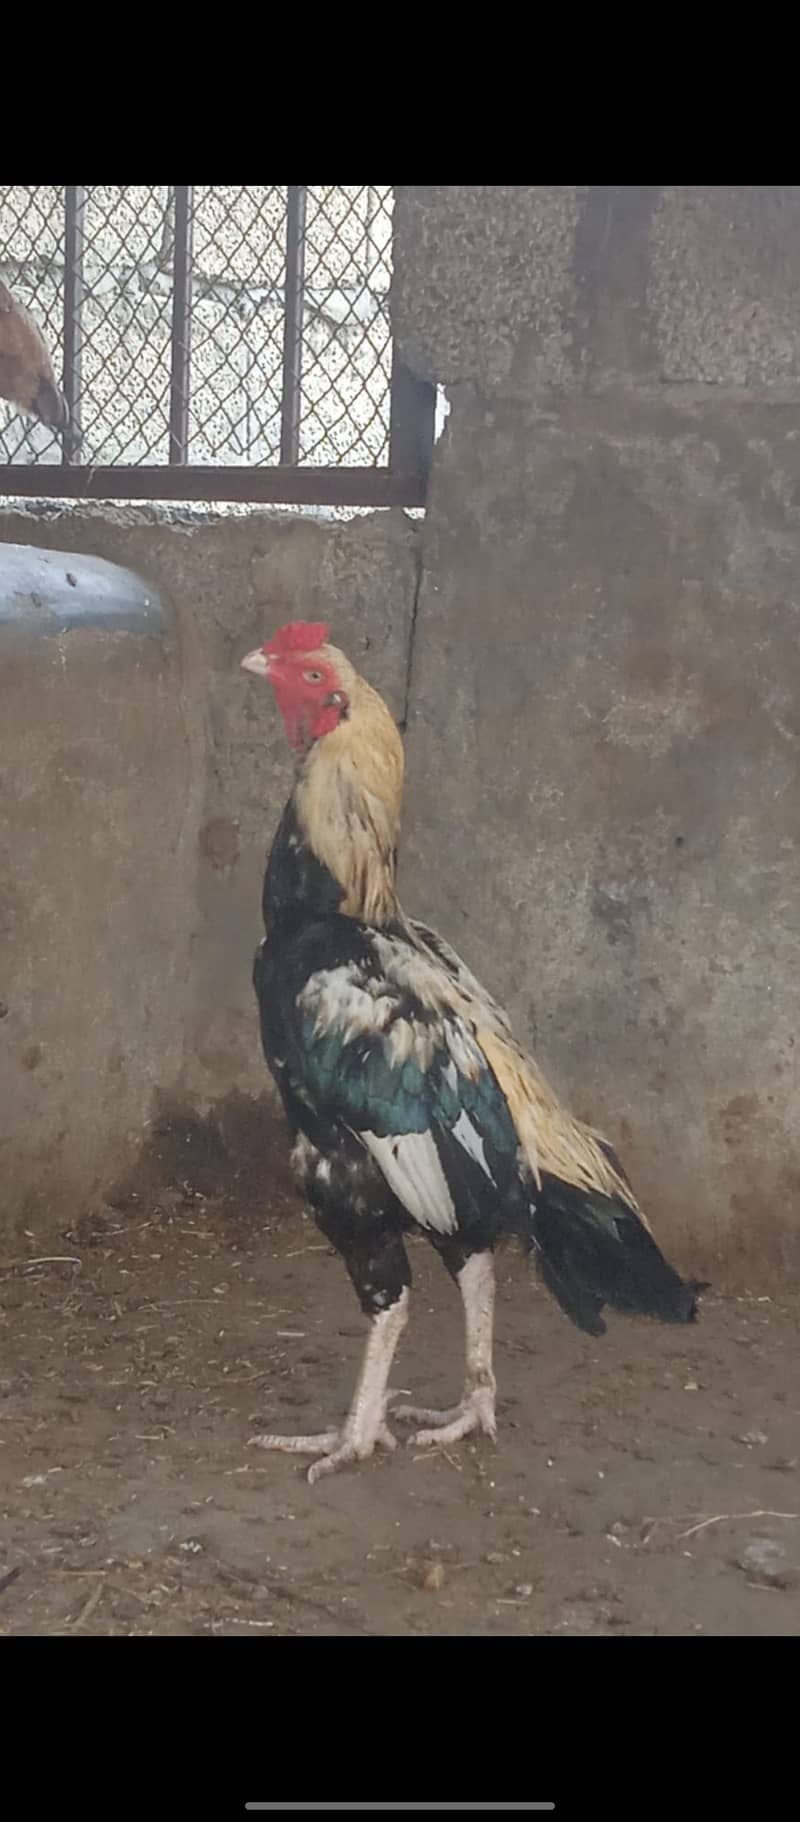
[[297, 636]]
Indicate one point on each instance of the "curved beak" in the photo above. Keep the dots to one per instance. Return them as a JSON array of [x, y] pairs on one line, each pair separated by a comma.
[[50, 406], [257, 662]]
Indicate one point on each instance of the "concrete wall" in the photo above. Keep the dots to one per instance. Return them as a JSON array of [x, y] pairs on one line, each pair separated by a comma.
[[603, 808], [142, 778], [523, 288]]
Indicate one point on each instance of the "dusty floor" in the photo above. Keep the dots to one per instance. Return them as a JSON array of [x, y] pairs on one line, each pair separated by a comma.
[[647, 1483]]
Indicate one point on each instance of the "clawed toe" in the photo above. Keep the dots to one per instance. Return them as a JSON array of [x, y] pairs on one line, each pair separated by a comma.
[[414, 1413], [296, 1445], [475, 1412], [334, 1447]]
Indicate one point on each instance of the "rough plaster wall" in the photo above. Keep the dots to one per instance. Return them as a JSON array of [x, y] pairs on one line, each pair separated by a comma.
[[603, 807], [469, 303], [175, 771], [95, 876], [723, 283], [519, 288]]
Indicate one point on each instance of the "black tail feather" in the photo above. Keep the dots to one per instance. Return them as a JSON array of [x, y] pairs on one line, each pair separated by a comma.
[[594, 1251]]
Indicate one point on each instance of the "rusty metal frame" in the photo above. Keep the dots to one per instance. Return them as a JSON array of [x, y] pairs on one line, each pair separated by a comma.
[[74, 212], [402, 482], [181, 339], [291, 397]]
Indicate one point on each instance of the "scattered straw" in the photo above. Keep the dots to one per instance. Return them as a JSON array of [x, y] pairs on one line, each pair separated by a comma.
[[55, 1259], [721, 1518], [87, 1611], [15, 1265]]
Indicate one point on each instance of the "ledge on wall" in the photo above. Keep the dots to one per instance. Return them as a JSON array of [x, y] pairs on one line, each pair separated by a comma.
[[52, 591]]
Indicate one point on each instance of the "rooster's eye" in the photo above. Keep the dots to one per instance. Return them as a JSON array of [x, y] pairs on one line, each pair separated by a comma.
[[313, 676]]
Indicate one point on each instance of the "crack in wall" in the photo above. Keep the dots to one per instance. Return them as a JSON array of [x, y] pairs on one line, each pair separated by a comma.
[[412, 634]]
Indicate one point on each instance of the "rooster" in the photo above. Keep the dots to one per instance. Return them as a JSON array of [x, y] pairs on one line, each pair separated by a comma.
[[411, 1105], [27, 379]]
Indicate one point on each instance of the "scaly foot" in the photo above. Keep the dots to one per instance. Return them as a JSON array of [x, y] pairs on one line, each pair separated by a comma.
[[475, 1412], [334, 1447], [365, 1426]]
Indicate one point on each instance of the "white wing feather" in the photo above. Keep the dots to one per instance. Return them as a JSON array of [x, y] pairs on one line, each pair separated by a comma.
[[412, 1169]]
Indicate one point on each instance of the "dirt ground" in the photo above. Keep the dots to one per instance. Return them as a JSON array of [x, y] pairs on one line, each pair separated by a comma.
[[647, 1483]]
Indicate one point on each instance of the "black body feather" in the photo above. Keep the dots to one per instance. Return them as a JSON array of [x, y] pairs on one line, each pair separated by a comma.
[[593, 1251], [400, 1122]]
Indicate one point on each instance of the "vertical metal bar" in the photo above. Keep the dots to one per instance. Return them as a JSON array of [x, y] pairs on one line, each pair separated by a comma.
[[74, 223], [370, 218], [412, 422], [181, 326], [291, 396]]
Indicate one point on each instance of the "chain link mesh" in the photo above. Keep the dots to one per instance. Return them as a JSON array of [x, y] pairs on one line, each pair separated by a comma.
[[347, 344], [32, 264], [238, 279]]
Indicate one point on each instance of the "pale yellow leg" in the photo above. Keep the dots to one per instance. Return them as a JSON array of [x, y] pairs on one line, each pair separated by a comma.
[[476, 1410], [365, 1425]]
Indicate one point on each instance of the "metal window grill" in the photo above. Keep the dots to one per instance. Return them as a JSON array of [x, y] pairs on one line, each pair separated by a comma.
[[218, 343]]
